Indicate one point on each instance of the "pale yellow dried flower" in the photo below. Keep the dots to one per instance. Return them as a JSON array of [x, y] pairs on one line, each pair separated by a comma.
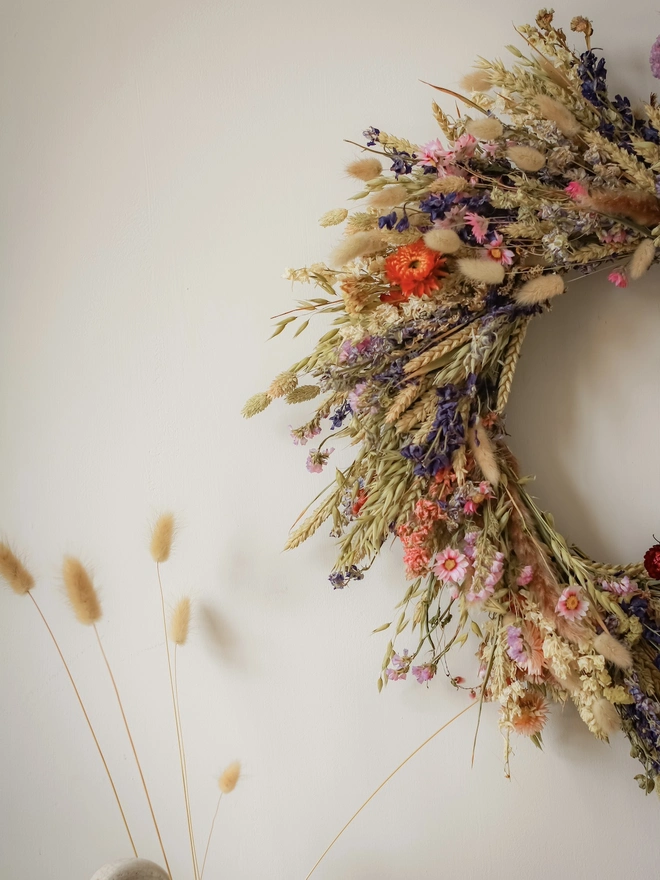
[[582, 25], [180, 622], [334, 217], [80, 591], [14, 572], [303, 393], [364, 169], [161, 538], [229, 777], [256, 404]]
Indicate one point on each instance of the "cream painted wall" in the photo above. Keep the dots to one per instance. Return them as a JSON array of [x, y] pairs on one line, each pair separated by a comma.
[[161, 163]]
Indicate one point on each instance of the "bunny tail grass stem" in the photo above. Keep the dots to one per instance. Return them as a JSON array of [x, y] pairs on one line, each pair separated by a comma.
[[134, 750], [175, 709], [184, 769], [89, 723], [208, 842], [385, 781]]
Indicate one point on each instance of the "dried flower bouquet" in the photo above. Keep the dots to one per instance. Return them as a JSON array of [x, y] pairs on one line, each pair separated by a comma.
[[431, 289]]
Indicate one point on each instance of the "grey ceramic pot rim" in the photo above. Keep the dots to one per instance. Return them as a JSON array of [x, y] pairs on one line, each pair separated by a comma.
[[131, 869]]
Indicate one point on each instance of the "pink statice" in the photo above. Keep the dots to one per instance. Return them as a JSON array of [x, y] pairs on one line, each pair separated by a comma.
[[416, 560], [492, 579], [498, 253], [571, 605], [354, 396], [514, 645], [525, 576], [400, 664], [576, 190], [423, 673], [302, 438], [620, 588], [620, 236], [450, 566], [618, 279], [525, 647], [317, 460], [463, 148], [468, 545], [654, 59], [478, 225]]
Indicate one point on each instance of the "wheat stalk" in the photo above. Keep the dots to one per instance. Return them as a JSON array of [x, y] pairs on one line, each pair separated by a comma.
[[510, 362]]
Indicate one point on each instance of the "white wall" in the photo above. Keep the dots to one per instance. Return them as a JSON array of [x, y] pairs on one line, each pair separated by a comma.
[[161, 163]]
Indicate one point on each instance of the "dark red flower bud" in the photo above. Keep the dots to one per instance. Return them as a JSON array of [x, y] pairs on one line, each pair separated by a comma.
[[652, 561]]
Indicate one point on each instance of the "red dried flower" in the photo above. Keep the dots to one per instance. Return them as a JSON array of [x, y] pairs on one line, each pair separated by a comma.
[[652, 561], [416, 271]]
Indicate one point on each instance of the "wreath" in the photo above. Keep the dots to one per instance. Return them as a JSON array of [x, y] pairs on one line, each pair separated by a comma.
[[543, 179]]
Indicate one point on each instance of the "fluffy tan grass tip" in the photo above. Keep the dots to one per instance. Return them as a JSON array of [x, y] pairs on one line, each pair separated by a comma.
[[80, 591], [476, 81], [14, 572], [526, 158], [388, 197], [483, 271], [364, 169], [180, 621], [161, 538], [556, 112], [641, 260], [613, 650], [444, 240], [229, 777], [358, 245], [485, 128], [538, 290]]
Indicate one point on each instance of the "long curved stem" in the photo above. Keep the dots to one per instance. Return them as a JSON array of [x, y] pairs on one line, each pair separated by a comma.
[[208, 842], [177, 723], [135, 755], [89, 723], [384, 783]]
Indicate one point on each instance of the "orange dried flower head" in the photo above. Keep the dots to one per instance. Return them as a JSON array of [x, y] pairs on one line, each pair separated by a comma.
[[415, 270], [533, 713]]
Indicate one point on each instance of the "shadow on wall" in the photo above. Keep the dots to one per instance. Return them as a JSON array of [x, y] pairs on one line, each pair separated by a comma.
[[584, 402]]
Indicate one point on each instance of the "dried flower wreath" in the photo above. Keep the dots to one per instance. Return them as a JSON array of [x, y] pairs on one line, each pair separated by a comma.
[[432, 289]]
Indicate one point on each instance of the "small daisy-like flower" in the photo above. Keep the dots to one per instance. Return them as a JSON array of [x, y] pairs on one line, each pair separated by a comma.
[[531, 715], [432, 153], [451, 566], [415, 269], [571, 606], [478, 225], [498, 253], [525, 647]]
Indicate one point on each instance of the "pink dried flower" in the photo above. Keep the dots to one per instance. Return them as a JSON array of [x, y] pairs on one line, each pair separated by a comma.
[[532, 715], [525, 647], [525, 576], [620, 588], [478, 225], [317, 460], [576, 190], [416, 560], [498, 253], [618, 279], [423, 673], [571, 606], [432, 153], [450, 566]]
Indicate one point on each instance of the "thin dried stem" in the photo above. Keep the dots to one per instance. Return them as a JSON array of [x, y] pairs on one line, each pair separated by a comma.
[[89, 723], [175, 709], [135, 755], [184, 768], [385, 781], [208, 842]]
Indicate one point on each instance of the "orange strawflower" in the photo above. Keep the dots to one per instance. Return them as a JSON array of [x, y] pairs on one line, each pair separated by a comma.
[[415, 270]]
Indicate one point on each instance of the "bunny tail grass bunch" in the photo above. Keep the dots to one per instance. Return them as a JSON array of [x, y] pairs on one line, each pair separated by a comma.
[[543, 177], [84, 601]]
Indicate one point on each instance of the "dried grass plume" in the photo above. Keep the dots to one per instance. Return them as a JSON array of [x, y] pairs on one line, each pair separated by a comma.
[[486, 128], [229, 777], [388, 197], [526, 158], [606, 716], [444, 240], [14, 572], [483, 451], [641, 260], [358, 245], [180, 621], [476, 81], [80, 591], [613, 650], [483, 271], [538, 290], [364, 169], [556, 112], [161, 538]]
